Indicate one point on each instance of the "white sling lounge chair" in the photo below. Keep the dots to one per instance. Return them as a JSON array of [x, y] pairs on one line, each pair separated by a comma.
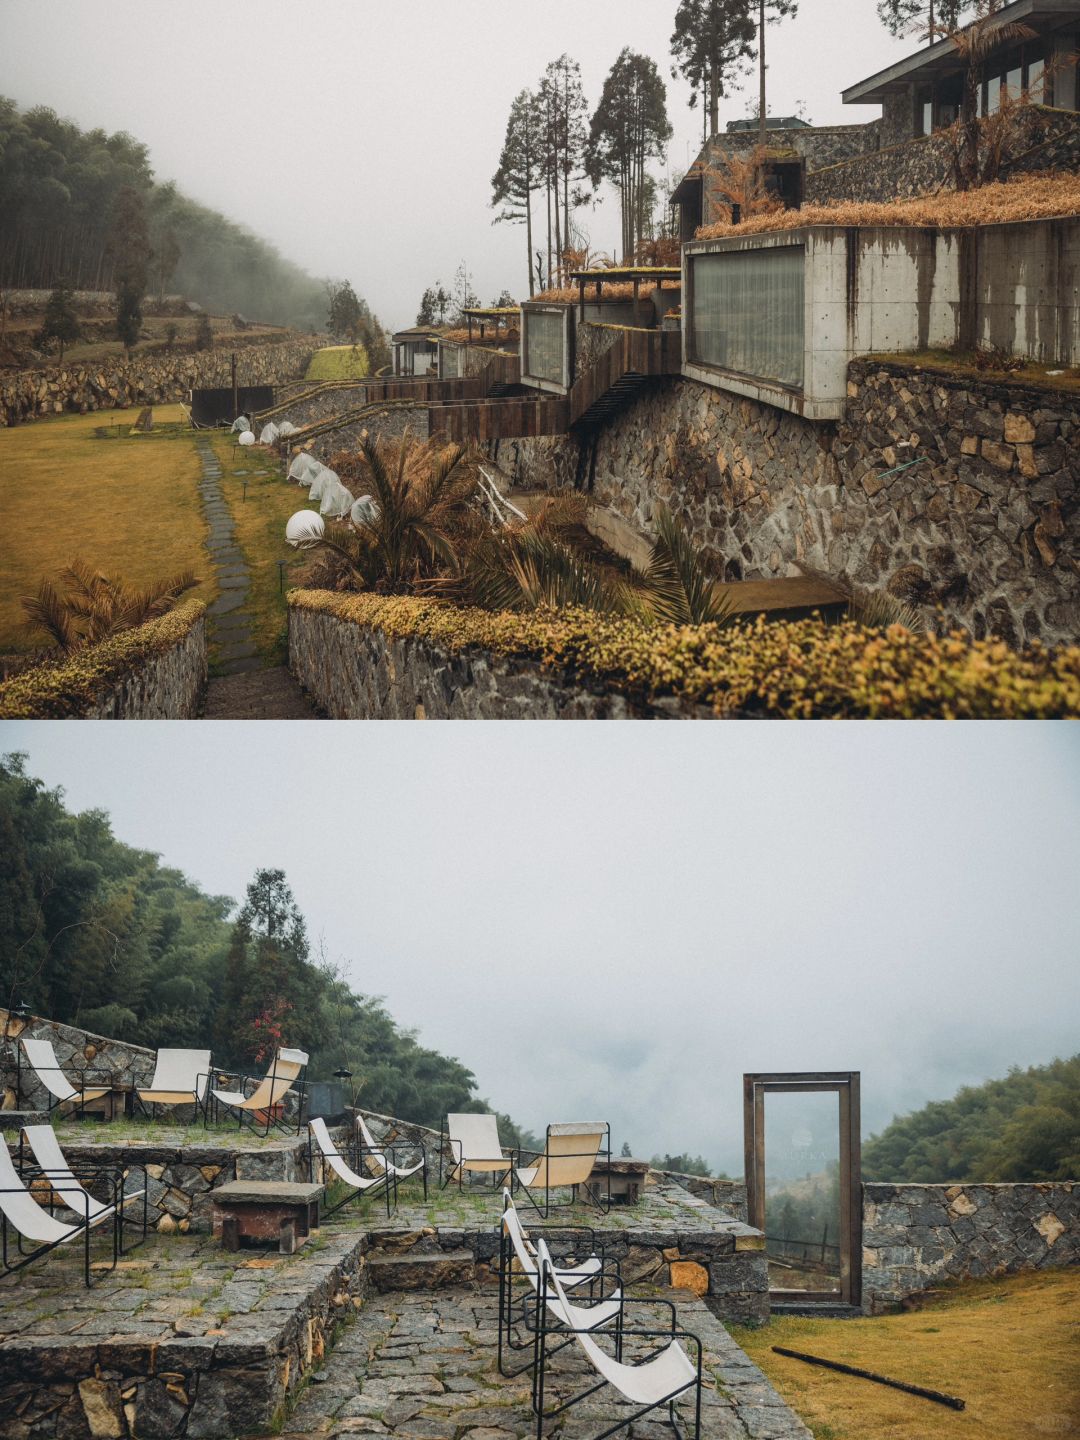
[[474, 1144], [383, 1155], [516, 1246], [21, 1213], [43, 1062], [180, 1078], [335, 1161], [286, 1070], [50, 1161], [570, 1152], [659, 1380]]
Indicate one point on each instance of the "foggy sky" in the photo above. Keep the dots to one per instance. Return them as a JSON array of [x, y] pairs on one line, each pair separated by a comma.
[[360, 136], [617, 921]]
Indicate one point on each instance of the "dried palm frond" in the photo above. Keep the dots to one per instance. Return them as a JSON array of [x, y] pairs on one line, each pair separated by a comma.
[[96, 605], [527, 570], [878, 610], [680, 589]]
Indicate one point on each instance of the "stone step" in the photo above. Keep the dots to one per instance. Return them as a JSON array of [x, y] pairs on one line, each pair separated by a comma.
[[420, 1272]]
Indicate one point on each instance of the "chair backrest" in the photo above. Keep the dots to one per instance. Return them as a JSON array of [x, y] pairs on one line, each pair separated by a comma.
[[330, 1153], [570, 1154], [666, 1374], [20, 1207], [42, 1057], [46, 1149], [181, 1072], [278, 1080], [511, 1222], [475, 1136]]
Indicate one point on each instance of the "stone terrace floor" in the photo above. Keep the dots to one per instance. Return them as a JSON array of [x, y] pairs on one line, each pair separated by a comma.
[[423, 1367]]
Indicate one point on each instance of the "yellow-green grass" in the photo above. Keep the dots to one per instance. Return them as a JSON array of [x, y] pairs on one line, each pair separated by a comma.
[[260, 513], [338, 362], [127, 504], [1010, 1348], [964, 363]]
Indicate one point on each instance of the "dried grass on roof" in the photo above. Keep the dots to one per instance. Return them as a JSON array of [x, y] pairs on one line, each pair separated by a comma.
[[492, 340], [616, 290], [1028, 197]]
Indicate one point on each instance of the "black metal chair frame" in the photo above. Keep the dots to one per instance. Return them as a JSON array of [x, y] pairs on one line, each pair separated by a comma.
[[286, 1127], [446, 1142], [202, 1105], [544, 1328], [54, 1102], [388, 1179], [390, 1148], [90, 1174], [607, 1277], [602, 1202]]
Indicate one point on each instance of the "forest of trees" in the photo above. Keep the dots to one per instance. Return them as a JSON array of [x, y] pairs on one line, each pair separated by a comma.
[[62, 191], [98, 934], [1025, 1127]]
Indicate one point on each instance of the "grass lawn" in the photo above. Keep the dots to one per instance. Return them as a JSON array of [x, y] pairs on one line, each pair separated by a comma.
[[338, 362], [260, 513], [1010, 1348], [129, 506]]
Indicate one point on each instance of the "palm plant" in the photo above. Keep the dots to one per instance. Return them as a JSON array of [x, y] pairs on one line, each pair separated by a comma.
[[96, 605], [974, 161], [526, 569], [679, 588]]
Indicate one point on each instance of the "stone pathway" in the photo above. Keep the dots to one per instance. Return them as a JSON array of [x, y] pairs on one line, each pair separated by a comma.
[[242, 689], [423, 1367]]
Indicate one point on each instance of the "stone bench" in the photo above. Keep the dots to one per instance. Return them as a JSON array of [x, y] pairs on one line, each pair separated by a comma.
[[627, 1178], [265, 1211]]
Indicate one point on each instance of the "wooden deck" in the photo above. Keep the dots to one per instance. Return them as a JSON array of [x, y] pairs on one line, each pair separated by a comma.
[[791, 598]]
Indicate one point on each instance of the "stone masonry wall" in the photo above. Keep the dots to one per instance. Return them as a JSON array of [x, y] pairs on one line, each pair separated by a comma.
[[168, 686], [113, 1061], [986, 526], [389, 423], [359, 673], [917, 1236], [1049, 140], [146, 380]]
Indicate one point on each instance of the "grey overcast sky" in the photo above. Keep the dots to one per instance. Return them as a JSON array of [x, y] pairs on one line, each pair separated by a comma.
[[617, 921], [360, 136]]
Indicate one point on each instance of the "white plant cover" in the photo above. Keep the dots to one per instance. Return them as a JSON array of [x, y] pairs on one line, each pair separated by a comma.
[[286, 428], [336, 500], [247, 438], [303, 529], [304, 468], [240, 423], [269, 434], [365, 511], [321, 478]]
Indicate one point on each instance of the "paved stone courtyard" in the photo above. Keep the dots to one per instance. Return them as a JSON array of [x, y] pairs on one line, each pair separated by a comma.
[[423, 1367]]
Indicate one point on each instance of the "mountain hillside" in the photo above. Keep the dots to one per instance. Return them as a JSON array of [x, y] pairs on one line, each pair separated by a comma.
[[1025, 1127], [98, 934]]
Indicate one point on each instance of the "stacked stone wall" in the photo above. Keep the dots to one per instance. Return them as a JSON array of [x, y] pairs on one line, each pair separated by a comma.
[[108, 1061], [916, 1237], [982, 531], [117, 383]]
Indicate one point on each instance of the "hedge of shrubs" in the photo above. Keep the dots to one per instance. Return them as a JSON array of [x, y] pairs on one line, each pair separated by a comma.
[[802, 669], [67, 689]]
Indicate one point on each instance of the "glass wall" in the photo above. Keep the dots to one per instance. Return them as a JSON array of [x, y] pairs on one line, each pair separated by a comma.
[[544, 345], [747, 312]]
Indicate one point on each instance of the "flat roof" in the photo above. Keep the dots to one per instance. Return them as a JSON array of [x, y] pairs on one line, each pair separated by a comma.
[[942, 58], [630, 272], [485, 312]]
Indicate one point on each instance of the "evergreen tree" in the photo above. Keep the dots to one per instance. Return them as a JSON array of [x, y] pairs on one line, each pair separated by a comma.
[[60, 321], [434, 304], [562, 113], [768, 10], [346, 311], [712, 42], [927, 19], [519, 173], [630, 128], [129, 246]]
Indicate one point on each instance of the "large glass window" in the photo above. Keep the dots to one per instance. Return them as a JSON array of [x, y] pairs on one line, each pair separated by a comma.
[[747, 312], [545, 345]]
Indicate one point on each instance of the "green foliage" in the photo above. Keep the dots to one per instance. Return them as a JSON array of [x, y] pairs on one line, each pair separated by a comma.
[[204, 333], [60, 321], [795, 669], [629, 129], [684, 1165], [130, 250], [1025, 1127], [922, 19], [711, 43], [434, 303], [97, 934]]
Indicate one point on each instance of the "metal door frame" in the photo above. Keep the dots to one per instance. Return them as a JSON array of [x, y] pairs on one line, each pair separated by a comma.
[[845, 1083]]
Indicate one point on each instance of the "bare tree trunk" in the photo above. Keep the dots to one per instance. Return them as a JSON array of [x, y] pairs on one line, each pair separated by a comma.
[[761, 72], [714, 100]]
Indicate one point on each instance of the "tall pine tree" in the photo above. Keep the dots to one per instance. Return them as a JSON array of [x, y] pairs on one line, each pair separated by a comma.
[[630, 128], [712, 42]]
